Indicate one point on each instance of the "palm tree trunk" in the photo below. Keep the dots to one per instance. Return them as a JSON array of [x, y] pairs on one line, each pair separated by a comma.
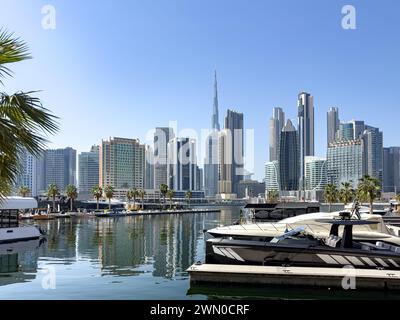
[[330, 207], [371, 206], [109, 203], [97, 203], [71, 204], [54, 204], [142, 203]]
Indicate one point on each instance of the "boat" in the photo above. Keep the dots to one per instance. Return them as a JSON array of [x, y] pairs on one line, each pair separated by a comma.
[[266, 231], [11, 230], [281, 210], [300, 248]]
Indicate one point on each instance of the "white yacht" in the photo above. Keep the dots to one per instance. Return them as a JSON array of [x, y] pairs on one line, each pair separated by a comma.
[[11, 230], [265, 231]]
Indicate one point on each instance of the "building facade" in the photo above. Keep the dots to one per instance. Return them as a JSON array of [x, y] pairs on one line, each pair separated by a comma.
[[289, 162], [305, 114], [271, 176], [88, 172], [122, 163], [149, 168], [27, 176], [276, 124], [391, 169], [345, 162], [182, 170], [315, 173], [162, 136], [332, 123], [250, 189]]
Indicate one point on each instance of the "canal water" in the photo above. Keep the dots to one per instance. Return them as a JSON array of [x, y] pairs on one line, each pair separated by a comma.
[[143, 257]]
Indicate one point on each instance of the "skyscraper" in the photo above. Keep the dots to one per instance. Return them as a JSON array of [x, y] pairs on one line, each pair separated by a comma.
[[182, 165], [276, 124], [149, 168], [27, 175], [315, 173], [215, 116], [391, 169], [305, 104], [122, 163], [271, 176], [234, 146], [373, 148], [211, 159], [345, 162], [162, 136], [332, 124], [289, 158], [59, 168], [225, 163], [88, 170]]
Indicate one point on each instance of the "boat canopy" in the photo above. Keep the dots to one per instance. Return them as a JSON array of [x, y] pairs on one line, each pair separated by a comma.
[[18, 203]]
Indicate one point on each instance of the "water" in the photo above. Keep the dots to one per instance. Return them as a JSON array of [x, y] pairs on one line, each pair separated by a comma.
[[142, 257]]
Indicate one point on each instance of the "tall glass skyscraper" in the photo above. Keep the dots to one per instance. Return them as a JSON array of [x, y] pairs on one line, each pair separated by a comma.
[[332, 124], [162, 136], [271, 176], [305, 114], [27, 176], [88, 170], [276, 124], [391, 169], [289, 158], [211, 157]]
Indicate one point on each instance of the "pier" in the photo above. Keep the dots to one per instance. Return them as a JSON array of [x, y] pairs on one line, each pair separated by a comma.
[[294, 276]]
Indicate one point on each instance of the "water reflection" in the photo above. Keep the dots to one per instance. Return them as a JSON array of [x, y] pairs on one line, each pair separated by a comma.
[[87, 250]]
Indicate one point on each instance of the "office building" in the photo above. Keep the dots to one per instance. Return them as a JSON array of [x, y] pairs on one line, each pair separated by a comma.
[[289, 158], [315, 173], [391, 169], [271, 176], [149, 168], [162, 136], [276, 124], [27, 176], [333, 123], [88, 172]]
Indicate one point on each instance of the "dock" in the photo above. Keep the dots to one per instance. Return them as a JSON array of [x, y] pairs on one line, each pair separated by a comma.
[[295, 276], [156, 212]]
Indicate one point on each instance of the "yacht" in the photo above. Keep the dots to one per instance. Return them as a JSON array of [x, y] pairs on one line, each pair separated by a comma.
[[11, 230], [266, 231], [301, 248]]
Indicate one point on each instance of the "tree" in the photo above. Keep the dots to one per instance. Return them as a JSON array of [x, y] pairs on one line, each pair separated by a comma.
[[53, 192], [369, 188], [170, 195], [163, 190], [142, 193], [109, 193], [129, 196], [188, 195], [24, 122], [346, 193], [273, 196], [72, 193], [97, 193], [331, 194], [24, 191], [397, 197]]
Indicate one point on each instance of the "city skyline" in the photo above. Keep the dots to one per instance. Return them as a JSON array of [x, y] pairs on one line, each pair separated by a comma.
[[177, 83]]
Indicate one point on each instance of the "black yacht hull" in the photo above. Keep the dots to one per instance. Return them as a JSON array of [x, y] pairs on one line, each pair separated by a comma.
[[225, 251]]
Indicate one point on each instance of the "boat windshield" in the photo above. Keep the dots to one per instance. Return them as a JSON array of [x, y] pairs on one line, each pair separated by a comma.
[[292, 233]]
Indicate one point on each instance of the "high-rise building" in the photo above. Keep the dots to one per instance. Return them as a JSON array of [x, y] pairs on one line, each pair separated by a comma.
[[182, 164], [373, 148], [391, 169], [211, 159], [225, 163], [305, 104], [56, 166], [345, 161], [149, 168], [250, 189], [234, 151], [315, 173], [350, 130], [88, 170], [333, 123], [271, 176], [276, 124], [162, 136], [289, 158], [122, 163], [27, 176]]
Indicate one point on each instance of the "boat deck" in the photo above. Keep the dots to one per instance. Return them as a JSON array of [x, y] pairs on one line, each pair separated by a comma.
[[295, 276]]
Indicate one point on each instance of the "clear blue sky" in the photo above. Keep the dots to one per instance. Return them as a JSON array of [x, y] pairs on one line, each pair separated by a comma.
[[120, 68]]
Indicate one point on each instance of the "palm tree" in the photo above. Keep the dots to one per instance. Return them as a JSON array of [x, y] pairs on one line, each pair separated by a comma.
[[142, 193], [163, 190], [273, 196], [369, 188], [97, 193], [72, 193], [331, 194], [188, 195], [53, 192], [24, 122], [170, 195], [397, 197], [24, 191], [129, 196], [109, 193], [346, 193]]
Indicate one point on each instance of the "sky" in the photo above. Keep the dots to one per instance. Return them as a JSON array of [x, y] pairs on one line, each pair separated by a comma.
[[121, 68]]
